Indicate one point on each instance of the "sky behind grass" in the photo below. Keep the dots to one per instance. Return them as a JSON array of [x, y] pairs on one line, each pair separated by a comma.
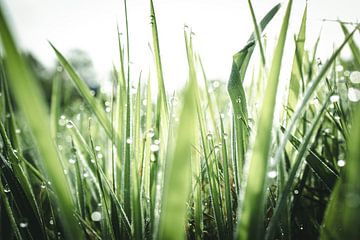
[[221, 28]]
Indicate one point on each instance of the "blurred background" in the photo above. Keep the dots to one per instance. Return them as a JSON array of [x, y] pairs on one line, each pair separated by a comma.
[[85, 31]]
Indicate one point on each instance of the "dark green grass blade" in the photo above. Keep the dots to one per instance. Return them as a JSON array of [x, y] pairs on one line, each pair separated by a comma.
[[177, 176], [24, 88]]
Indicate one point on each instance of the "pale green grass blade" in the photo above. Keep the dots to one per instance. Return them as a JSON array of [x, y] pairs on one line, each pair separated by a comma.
[[24, 88], [178, 175], [257, 32], [55, 106], [296, 72], [162, 102], [252, 208]]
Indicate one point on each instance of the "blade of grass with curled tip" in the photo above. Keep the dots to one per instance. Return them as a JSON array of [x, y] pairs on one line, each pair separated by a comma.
[[24, 88], [252, 208], [285, 193], [237, 95]]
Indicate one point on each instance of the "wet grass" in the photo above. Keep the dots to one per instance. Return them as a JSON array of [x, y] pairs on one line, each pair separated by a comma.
[[197, 164]]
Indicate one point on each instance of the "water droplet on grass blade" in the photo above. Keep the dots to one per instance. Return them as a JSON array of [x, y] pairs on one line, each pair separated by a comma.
[[355, 77], [69, 124], [96, 216], [24, 224], [7, 189], [129, 141], [296, 192], [154, 147], [354, 94], [341, 163], [334, 98], [339, 68], [150, 133], [272, 174], [72, 161]]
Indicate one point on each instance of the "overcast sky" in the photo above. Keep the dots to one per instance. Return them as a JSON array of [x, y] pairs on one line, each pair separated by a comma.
[[221, 27]]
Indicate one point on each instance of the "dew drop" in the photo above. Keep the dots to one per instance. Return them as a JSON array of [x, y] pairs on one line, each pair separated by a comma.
[[43, 185], [339, 68], [96, 216], [154, 147], [69, 124], [23, 224], [216, 84], [62, 120], [355, 77], [209, 136], [354, 94], [335, 98], [99, 156], [341, 163], [296, 192], [272, 174], [7, 189], [129, 141], [72, 161], [157, 141], [51, 222], [17, 131], [150, 133], [97, 148]]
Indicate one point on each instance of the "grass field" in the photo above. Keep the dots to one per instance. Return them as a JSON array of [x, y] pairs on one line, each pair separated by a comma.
[[213, 160]]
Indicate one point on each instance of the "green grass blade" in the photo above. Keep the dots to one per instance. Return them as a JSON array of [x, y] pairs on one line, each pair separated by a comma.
[[177, 176], [252, 208], [296, 72], [237, 95], [354, 48], [85, 93], [24, 88]]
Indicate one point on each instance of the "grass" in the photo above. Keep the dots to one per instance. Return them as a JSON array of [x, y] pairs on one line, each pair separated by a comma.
[[122, 166]]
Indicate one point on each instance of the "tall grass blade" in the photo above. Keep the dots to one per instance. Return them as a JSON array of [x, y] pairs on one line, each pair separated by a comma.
[[252, 212]]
